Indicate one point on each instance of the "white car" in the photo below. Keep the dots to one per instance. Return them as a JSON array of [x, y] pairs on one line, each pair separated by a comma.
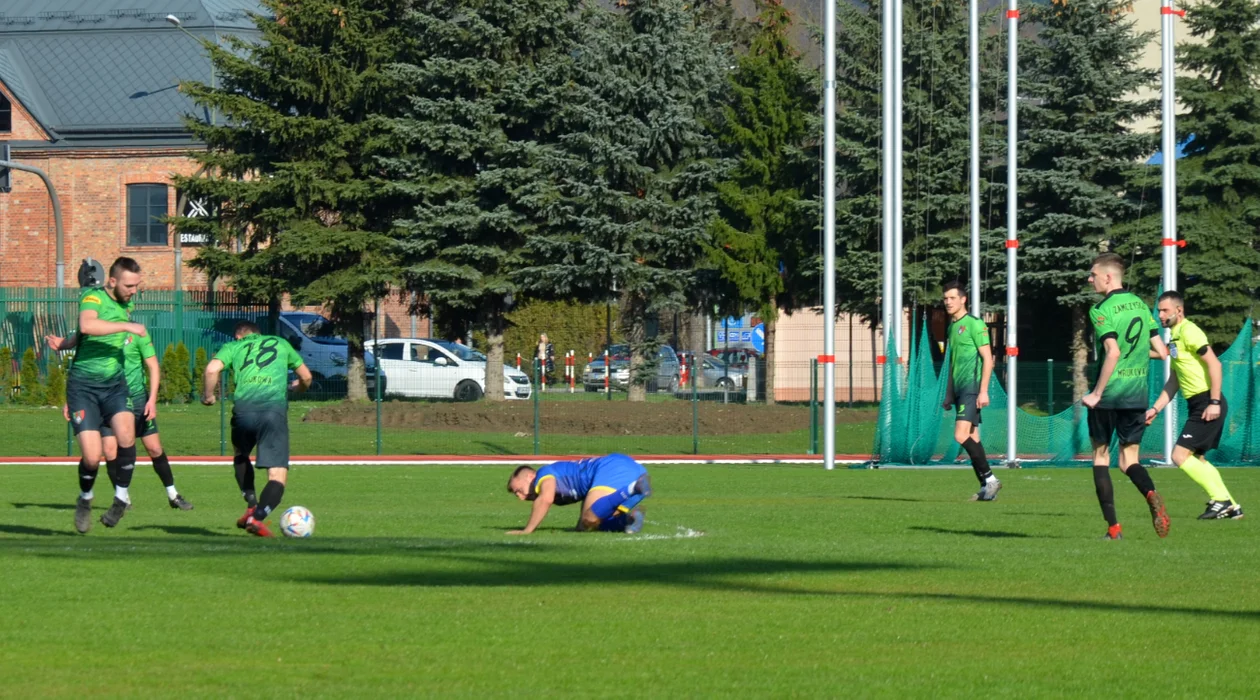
[[423, 368]]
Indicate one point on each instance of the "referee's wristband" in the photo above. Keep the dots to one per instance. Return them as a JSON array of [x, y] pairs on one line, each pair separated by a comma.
[[1214, 402]]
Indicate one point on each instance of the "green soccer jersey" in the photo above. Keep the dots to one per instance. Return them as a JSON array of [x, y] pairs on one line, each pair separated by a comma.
[[966, 336], [261, 365], [99, 358], [1124, 316], [136, 349]]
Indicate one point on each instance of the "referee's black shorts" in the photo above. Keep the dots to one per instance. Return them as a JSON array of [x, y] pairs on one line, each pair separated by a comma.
[[1198, 435]]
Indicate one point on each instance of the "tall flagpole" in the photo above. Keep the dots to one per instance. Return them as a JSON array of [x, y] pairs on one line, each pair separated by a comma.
[[887, 173], [1012, 242], [973, 17], [898, 141], [1168, 182], [829, 240]]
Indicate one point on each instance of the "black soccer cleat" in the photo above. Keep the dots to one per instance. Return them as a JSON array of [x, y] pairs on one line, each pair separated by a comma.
[[180, 503], [1234, 512], [83, 515], [1218, 510], [115, 513]]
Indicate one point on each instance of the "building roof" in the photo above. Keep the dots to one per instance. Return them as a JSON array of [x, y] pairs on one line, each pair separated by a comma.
[[106, 72]]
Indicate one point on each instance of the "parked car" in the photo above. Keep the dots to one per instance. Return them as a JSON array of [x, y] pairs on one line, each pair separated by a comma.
[[438, 369], [312, 336], [735, 357], [666, 377], [719, 375]]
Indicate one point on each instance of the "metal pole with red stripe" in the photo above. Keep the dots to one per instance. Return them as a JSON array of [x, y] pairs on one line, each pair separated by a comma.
[[1168, 182], [1012, 224]]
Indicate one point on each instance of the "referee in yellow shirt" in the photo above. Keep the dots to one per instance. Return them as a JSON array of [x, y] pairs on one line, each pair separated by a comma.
[[1197, 373]]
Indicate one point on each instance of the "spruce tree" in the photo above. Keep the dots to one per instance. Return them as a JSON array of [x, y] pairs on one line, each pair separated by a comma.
[[291, 160], [482, 84], [1077, 151], [1219, 204], [32, 392], [7, 376], [199, 371], [626, 192], [764, 237]]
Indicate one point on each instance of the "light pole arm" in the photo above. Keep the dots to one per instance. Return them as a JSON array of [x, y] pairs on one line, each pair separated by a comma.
[[56, 204]]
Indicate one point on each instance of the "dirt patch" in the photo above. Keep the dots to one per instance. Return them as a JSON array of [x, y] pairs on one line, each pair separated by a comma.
[[580, 417]]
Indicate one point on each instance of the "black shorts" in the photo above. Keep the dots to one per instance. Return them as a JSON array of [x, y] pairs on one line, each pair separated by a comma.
[[266, 430], [144, 427], [1127, 424], [92, 405], [966, 409], [1198, 435]]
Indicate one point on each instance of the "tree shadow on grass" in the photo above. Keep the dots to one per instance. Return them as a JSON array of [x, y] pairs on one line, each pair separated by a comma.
[[1026, 601], [35, 531], [709, 574], [200, 543], [994, 534]]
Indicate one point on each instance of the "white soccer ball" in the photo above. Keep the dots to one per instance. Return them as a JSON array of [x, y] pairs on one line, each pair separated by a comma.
[[297, 522]]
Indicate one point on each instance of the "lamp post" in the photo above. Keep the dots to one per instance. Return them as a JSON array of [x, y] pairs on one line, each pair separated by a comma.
[[177, 244]]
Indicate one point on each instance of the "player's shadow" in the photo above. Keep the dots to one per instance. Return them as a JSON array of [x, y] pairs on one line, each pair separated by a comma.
[[182, 530], [991, 534], [37, 531], [495, 449], [50, 506], [712, 574], [885, 498]]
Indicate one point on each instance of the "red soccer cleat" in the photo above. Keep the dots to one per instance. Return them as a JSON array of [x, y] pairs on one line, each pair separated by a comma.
[[240, 522], [1159, 516], [1114, 533], [257, 527]]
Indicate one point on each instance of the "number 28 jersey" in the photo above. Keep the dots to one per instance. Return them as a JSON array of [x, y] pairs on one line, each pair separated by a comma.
[[1124, 316], [260, 364]]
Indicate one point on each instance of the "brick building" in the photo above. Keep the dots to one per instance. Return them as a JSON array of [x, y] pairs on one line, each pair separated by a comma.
[[89, 93]]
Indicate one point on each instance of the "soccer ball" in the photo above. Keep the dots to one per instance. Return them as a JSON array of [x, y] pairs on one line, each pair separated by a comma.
[[297, 522]]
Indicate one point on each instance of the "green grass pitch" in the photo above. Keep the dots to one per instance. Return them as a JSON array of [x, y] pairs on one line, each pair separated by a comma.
[[804, 583]]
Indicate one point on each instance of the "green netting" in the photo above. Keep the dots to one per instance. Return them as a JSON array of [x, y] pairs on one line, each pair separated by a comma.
[[914, 429]]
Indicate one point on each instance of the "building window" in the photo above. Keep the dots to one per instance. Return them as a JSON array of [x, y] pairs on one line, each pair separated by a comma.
[[6, 114], [146, 209]]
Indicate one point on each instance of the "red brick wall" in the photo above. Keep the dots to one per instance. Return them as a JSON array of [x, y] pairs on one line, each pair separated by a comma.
[[92, 188]]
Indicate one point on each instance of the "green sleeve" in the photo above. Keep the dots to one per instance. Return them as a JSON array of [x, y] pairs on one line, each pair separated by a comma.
[[1102, 324], [226, 353], [145, 345], [979, 333], [92, 301], [291, 356]]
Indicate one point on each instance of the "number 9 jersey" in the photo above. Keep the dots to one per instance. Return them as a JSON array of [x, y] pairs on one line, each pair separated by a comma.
[[260, 364], [1123, 315]]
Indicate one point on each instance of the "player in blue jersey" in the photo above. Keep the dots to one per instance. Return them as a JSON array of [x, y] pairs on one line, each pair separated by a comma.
[[609, 488]]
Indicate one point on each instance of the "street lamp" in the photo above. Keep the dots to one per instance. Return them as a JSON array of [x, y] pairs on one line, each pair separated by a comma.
[[180, 203]]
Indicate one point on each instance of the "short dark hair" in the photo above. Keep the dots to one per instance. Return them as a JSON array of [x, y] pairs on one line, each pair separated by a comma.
[[1173, 296], [1111, 260], [515, 474], [124, 264], [245, 328], [957, 286]]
